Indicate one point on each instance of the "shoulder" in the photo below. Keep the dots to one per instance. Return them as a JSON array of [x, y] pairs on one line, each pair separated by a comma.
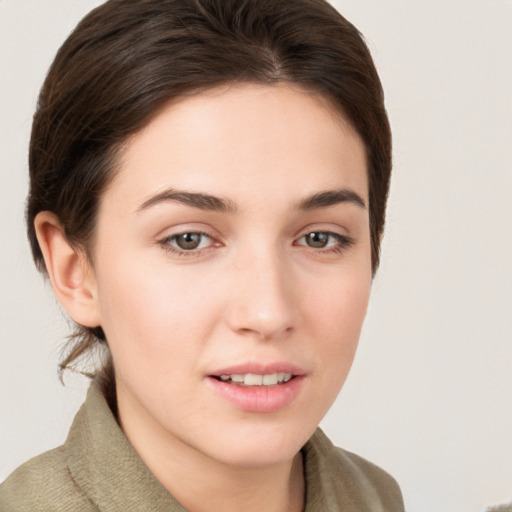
[[43, 483], [341, 479], [370, 475]]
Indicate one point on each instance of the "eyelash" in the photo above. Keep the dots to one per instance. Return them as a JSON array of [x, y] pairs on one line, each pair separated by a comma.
[[166, 243], [343, 242]]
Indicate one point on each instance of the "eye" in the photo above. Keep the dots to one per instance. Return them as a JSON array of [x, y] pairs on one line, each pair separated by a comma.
[[323, 240], [187, 242], [318, 240]]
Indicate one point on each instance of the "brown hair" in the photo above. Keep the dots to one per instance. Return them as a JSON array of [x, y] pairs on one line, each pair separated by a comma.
[[127, 58]]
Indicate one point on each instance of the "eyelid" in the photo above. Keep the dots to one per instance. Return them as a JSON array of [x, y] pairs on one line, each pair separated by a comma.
[[166, 242], [343, 241]]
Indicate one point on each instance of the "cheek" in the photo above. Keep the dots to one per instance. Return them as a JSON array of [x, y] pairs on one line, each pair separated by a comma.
[[337, 316], [153, 317], [346, 312], [338, 307]]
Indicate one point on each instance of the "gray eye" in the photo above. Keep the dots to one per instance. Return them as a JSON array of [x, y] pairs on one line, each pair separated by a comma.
[[188, 241], [317, 240]]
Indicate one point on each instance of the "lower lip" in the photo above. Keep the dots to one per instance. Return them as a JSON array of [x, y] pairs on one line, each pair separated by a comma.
[[260, 399]]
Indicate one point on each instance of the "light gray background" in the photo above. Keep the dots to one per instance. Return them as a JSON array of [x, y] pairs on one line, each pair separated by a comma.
[[430, 394]]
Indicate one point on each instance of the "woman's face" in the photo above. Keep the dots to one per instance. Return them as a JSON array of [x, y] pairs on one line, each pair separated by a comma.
[[232, 273]]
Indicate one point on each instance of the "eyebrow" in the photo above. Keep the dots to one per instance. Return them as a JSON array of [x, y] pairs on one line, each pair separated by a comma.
[[218, 204], [331, 198], [195, 199]]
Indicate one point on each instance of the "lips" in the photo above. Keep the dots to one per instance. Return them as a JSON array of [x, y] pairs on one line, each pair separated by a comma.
[[253, 379], [260, 369], [258, 388]]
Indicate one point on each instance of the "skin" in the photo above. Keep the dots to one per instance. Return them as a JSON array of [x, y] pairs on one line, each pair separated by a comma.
[[255, 290]]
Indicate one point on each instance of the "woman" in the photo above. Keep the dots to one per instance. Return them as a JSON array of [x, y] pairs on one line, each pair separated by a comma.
[[208, 186]]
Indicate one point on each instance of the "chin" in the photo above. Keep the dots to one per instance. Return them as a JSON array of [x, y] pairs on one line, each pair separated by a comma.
[[257, 445]]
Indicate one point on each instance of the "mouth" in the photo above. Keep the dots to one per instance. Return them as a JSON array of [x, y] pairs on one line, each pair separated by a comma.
[[258, 388], [254, 379]]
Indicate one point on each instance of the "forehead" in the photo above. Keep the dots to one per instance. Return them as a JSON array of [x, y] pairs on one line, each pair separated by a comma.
[[244, 139]]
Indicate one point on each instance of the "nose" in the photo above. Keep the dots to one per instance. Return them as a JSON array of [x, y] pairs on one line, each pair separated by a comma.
[[263, 303]]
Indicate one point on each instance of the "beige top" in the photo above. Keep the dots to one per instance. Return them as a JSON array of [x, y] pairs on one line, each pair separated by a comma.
[[98, 470]]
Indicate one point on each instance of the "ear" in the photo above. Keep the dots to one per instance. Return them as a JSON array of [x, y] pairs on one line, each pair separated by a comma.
[[69, 270]]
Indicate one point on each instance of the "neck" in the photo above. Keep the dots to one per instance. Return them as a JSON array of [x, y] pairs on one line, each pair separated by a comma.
[[276, 489], [204, 484]]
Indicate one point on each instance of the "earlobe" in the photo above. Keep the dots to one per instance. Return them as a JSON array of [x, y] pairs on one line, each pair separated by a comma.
[[69, 270]]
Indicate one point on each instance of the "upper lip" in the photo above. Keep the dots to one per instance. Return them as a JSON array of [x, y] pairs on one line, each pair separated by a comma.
[[259, 368]]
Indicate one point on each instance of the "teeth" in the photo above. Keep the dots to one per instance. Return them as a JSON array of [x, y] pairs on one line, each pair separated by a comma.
[[252, 379], [270, 380]]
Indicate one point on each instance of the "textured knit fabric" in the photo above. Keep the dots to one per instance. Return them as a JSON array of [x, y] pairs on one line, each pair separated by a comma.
[[98, 470]]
